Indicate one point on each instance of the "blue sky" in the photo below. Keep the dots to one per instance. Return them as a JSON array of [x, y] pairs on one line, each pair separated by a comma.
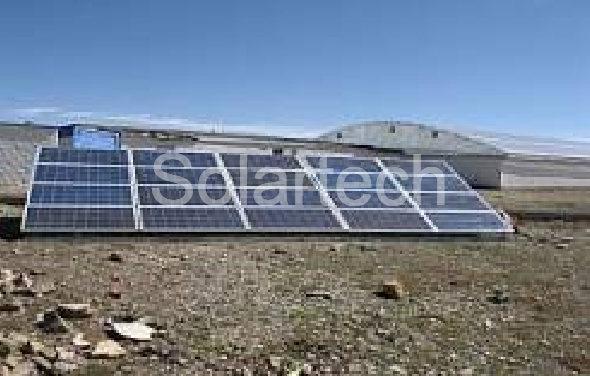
[[302, 66]]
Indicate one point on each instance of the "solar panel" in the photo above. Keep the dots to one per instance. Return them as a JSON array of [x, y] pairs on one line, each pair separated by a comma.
[[280, 178], [78, 174], [119, 190], [260, 160], [81, 195], [385, 220], [80, 190], [199, 196], [148, 158], [433, 184], [80, 219], [82, 156], [356, 181], [292, 218], [370, 199], [467, 221], [180, 219], [448, 201], [283, 197], [200, 176]]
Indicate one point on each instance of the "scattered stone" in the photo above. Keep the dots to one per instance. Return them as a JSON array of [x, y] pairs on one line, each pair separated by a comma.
[[51, 322], [275, 362], [79, 342], [7, 279], [135, 331], [18, 367], [561, 245], [64, 368], [319, 294], [108, 349], [115, 257], [115, 288], [33, 348], [466, 372], [74, 311], [43, 364], [398, 370], [500, 296], [10, 304], [392, 289]]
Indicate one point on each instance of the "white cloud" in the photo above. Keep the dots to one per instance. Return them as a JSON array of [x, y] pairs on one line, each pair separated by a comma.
[[33, 111]]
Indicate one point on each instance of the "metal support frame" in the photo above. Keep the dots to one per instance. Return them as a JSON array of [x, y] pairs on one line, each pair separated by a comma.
[[30, 189], [137, 215], [322, 191], [232, 189], [405, 193]]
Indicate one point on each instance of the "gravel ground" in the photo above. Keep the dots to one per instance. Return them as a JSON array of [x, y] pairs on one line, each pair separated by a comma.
[[255, 306]]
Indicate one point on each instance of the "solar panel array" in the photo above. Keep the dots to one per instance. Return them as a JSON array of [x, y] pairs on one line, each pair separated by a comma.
[[77, 190]]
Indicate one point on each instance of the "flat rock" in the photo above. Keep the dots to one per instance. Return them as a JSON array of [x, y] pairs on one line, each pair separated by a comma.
[[74, 311], [135, 331], [392, 289], [51, 322], [319, 294], [108, 349], [79, 342], [9, 304]]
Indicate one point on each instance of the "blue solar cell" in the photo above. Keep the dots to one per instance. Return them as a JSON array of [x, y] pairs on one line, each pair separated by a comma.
[[369, 199], [384, 220], [243, 177], [148, 158], [356, 181], [81, 195], [448, 201], [339, 164], [466, 221], [260, 160], [285, 219], [200, 196], [80, 219], [301, 197], [167, 218], [84, 156], [210, 176], [73, 174], [432, 183]]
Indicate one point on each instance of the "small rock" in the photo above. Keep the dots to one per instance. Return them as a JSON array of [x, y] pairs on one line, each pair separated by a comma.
[[79, 342], [115, 257], [31, 347], [135, 331], [10, 304], [51, 322], [561, 245], [398, 370], [500, 296], [115, 288], [275, 362], [319, 294], [392, 289], [108, 349], [74, 311], [64, 368], [64, 354], [466, 372], [43, 364]]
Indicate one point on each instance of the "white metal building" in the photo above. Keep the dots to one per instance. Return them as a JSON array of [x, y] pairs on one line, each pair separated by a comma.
[[489, 160]]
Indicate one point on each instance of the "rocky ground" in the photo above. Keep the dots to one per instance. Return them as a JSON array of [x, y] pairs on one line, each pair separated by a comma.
[[275, 306]]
